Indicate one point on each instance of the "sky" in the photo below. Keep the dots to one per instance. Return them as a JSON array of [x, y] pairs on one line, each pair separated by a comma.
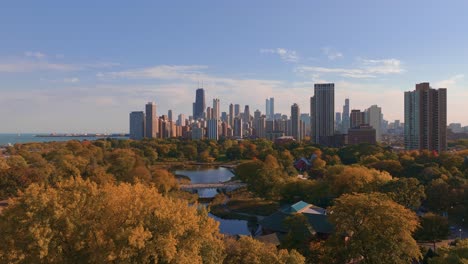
[[83, 66]]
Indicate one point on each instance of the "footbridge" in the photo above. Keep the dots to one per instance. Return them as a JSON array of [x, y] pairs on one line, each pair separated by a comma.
[[224, 186]]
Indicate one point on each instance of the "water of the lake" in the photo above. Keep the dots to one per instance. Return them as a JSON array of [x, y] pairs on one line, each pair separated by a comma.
[[216, 175]]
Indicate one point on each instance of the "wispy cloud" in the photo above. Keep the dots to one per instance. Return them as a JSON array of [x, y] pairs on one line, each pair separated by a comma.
[[450, 82], [331, 53], [34, 54], [366, 69], [71, 80], [35, 61], [163, 72], [285, 54]]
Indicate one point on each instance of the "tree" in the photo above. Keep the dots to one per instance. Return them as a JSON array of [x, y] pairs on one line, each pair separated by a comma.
[[81, 222], [347, 179], [456, 254], [433, 227], [299, 234], [372, 228], [438, 194], [405, 191], [247, 250]]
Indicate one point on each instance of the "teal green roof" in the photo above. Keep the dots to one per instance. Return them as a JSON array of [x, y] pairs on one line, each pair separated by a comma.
[[297, 207]]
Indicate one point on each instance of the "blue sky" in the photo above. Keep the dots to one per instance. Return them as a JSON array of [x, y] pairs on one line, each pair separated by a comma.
[[82, 66]]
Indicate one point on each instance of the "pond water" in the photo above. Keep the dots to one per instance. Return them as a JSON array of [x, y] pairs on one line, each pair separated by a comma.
[[216, 175], [206, 175]]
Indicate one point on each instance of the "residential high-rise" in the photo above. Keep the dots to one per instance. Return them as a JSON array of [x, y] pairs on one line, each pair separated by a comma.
[[213, 128], [345, 121], [199, 106], [238, 127], [374, 119], [357, 118], [295, 122], [181, 120], [137, 125], [151, 120], [322, 111], [259, 125], [426, 118]]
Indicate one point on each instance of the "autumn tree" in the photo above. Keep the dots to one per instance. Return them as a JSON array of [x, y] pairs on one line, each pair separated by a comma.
[[81, 222], [247, 250], [347, 179], [373, 229]]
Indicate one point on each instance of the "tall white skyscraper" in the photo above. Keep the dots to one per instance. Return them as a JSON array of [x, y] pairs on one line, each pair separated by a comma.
[[374, 119], [216, 110], [345, 121]]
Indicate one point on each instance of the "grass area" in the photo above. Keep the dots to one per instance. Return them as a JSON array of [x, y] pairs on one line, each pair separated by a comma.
[[242, 201]]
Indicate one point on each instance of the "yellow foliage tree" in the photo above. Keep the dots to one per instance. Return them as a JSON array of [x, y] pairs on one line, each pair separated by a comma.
[[81, 222]]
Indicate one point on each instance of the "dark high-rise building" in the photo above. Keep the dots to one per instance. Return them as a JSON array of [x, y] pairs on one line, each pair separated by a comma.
[[361, 134], [426, 118], [322, 111], [236, 110], [231, 115], [296, 122], [137, 125], [246, 114], [151, 120], [169, 115], [345, 122], [199, 105], [357, 118]]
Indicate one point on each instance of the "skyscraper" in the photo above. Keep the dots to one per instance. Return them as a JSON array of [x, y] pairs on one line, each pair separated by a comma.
[[236, 110], [374, 119], [345, 122], [426, 118], [151, 120], [295, 122], [137, 125], [338, 121], [238, 127], [246, 114], [199, 106], [216, 110], [169, 115], [267, 108], [322, 109], [272, 108], [231, 115]]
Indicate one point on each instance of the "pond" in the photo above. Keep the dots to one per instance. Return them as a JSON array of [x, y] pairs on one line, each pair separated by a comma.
[[216, 175], [206, 175]]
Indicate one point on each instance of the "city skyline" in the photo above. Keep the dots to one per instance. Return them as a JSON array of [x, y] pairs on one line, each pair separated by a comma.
[[60, 75]]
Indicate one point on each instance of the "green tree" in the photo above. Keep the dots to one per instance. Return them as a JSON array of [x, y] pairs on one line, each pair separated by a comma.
[[457, 254], [433, 227], [373, 229], [405, 191]]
